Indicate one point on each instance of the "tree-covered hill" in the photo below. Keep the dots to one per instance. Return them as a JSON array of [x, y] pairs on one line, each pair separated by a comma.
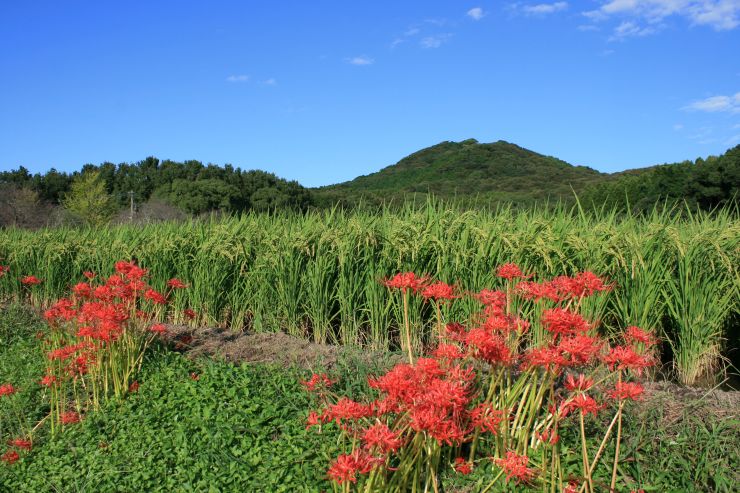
[[499, 171]]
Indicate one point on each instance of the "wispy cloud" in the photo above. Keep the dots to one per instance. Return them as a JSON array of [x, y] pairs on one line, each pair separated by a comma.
[[544, 8], [237, 78], [721, 15], [360, 60], [629, 29], [435, 41], [270, 82], [476, 13], [716, 104], [678, 127]]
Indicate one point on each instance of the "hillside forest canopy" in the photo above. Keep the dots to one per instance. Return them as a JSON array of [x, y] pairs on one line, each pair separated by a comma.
[[467, 173]]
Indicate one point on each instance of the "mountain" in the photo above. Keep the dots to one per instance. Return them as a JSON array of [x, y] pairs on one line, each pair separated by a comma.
[[469, 170]]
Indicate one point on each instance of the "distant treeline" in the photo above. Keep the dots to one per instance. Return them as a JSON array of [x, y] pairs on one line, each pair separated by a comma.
[[190, 185], [703, 184]]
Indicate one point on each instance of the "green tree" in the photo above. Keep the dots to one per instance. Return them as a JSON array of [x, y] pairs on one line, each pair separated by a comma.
[[88, 199]]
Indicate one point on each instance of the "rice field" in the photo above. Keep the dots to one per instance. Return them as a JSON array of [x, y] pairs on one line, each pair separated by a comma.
[[315, 275]]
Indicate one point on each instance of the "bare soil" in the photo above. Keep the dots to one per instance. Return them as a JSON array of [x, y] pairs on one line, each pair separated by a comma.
[[270, 348]]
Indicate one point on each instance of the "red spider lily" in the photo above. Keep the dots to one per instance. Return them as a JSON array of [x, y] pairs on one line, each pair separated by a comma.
[[82, 290], [194, 376], [509, 271], [30, 280], [571, 487], [493, 299], [158, 329], [548, 436], [581, 285], [537, 291], [486, 417], [627, 391], [62, 310], [189, 314], [130, 270], [637, 335], [133, 387], [585, 403], [560, 321], [515, 466], [175, 283], [347, 466], [313, 420], [3, 270], [439, 291], [623, 358], [380, 437], [437, 425], [79, 365], [66, 352], [448, 352], [7, 389], [581, 384], [155, 297], [578, 350], [462, 466], [318, 381], [455, 331], [70, 417], [346, 409], [406, 280], [20, 443], [488, 347], [10, 457], [89, 275], [549, 358], [48, 380]]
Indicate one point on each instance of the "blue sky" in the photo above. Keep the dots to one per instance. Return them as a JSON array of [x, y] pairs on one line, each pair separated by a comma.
[[322, 91]]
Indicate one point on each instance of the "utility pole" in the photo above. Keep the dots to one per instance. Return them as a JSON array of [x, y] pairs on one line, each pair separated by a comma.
[[131, 213]]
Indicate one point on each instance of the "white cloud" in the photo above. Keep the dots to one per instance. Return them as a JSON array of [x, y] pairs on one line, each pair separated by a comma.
[[270, 82], [434, 41], [237, 78], [545, 8], [716, 104], [412, 31], [678, 127], [475, 13], [629, 29], [360, 60], [588, 27], [719, 14]]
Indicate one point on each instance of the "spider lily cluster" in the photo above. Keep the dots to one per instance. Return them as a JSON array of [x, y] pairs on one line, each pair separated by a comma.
[[95, 344], [494, 393]]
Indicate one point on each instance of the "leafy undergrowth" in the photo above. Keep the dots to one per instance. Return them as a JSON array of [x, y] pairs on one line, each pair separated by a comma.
[[205, 425]]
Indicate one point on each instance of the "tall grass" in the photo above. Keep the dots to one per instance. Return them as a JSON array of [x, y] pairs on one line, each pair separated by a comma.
[[316, 274]]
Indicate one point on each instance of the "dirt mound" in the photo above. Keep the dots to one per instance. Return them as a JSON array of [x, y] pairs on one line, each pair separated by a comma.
[[237, 347], [677, 401]]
